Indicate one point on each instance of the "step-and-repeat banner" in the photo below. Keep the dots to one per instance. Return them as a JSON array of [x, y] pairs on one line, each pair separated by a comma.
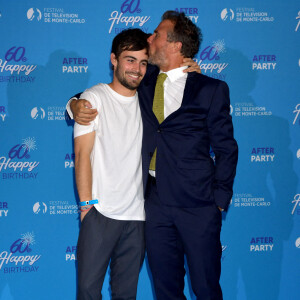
[[51, 50]]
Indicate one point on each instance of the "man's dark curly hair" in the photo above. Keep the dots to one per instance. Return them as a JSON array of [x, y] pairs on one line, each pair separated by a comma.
[[133, 39], [185, 31]]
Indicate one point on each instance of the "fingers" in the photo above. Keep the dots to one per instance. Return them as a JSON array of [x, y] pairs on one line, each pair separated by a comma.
[[89, 116], [192, 69], [85, 119], [192, 65], [87, 111], [85, 103], [83, 112], [186, 62], [85, 107]]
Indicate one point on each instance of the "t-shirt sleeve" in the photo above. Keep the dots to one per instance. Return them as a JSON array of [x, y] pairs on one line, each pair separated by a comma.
[[68, 107], [84, 129]]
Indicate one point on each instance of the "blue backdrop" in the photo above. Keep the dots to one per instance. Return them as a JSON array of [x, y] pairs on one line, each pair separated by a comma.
[[51, 50]]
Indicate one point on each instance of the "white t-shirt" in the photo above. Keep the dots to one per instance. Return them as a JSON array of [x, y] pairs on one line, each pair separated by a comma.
[[116, 156]]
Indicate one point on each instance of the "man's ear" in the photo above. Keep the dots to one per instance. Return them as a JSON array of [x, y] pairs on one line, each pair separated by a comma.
[[178, 46], [113, 60]]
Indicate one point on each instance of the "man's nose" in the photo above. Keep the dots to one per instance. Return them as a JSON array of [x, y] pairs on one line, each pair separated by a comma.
[[136, 67]]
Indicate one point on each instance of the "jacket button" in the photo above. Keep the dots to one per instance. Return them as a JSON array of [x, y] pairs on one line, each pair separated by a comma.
[[158, 130]]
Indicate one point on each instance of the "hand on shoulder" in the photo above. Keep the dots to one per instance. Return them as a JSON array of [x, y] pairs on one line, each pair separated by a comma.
[[83, 112]]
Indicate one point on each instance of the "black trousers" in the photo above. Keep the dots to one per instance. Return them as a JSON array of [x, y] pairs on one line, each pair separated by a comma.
[[103, 240], [174, 232]]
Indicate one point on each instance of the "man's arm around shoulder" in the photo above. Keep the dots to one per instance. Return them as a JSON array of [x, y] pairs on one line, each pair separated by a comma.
[[81, 110]]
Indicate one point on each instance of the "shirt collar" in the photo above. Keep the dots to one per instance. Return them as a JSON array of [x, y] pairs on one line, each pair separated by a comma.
[[175, 74]]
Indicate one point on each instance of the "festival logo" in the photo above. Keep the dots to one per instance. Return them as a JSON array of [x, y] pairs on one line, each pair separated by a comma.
[[210, 61], [63, 208], [227, 14], [17, 164], [20, 257], [298, 21], [56, 208], [296, 112], [3, 209], [14, 65], [246, 14], [69, 160], [296, 203], [243, 200], [52, 113], [75, 65], [244, 109], [2, 113], [54, 15], [129, 14], [37, 113], [57, 113], [190, 12], [71, 253], [263, 154], [261, 244], [34, 13], [264, 62], [39, 207]]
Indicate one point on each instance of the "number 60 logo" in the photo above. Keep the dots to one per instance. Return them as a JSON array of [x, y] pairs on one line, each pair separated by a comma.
[[131, 6], [210, 53], [15, 54], [18, 151], [19, 246]]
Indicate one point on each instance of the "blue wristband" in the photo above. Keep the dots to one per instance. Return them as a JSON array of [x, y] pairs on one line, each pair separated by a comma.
[[84, 203]]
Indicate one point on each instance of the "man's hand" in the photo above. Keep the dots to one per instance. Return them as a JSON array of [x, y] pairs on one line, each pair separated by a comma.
[[192, 66], [83, 214], [82, 110]]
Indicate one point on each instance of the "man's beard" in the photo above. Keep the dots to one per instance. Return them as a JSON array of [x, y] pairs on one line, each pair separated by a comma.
[[158, 59], [124, 81]]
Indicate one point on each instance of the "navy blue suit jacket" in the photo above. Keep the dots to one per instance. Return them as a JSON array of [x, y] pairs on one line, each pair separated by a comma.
[[186, 176]]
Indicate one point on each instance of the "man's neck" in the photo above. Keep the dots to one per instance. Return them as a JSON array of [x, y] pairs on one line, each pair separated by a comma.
[[171, 64], [121, 89]]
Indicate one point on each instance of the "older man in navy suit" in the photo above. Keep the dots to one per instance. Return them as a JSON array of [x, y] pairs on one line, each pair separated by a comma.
[[185, 191]]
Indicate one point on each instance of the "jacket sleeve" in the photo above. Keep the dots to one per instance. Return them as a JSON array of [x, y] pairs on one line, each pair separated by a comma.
[[68, 108], [223, 144]]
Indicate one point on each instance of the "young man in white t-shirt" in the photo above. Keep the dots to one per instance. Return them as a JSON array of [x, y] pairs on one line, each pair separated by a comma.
[[108, 172]]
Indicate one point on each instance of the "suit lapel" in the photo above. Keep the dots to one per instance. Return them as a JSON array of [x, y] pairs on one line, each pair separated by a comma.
[[189, 88], [190, 85], [146, 92]]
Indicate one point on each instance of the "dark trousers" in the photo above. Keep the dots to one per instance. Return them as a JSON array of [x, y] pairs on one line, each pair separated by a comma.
[[103, 240], [173, 232]]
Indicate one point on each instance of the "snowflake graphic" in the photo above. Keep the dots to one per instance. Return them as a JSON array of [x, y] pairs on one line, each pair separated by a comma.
[[28, 238], [29, 143], [219, 45]]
